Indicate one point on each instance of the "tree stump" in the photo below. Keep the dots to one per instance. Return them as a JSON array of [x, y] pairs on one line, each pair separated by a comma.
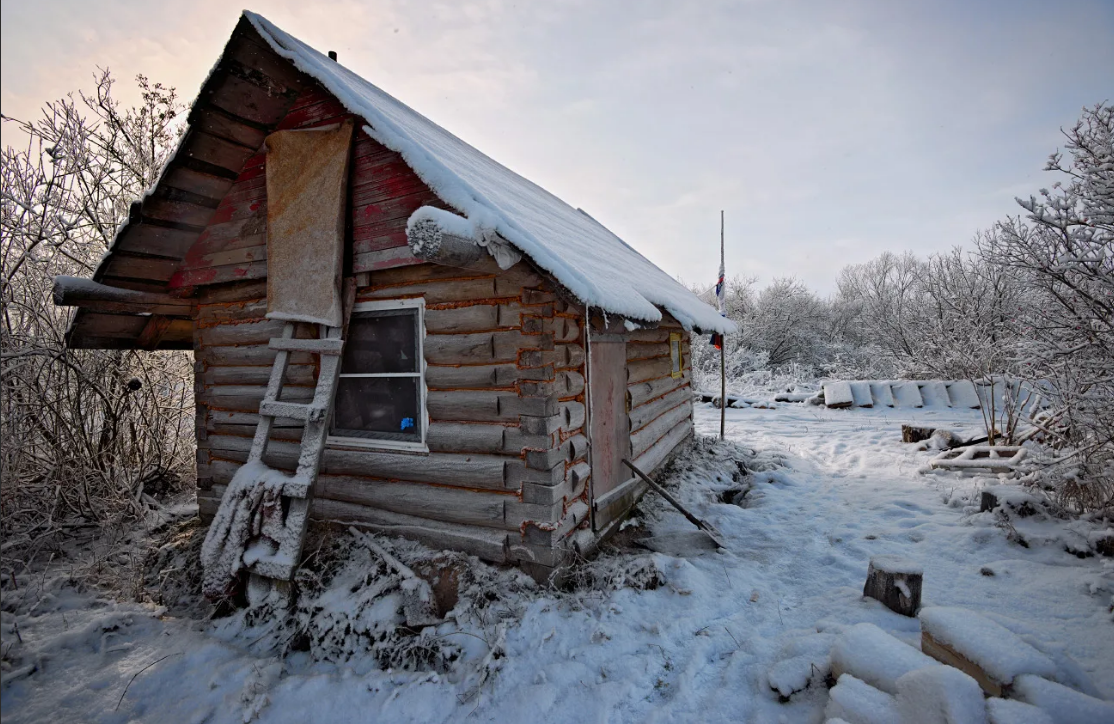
[[912, 433], [987, 501], [896, 582]]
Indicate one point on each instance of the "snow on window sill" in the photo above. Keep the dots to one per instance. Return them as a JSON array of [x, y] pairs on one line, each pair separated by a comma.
[[359, 443]]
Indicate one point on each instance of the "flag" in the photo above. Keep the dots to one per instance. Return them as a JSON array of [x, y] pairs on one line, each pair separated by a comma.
[[721, 289]]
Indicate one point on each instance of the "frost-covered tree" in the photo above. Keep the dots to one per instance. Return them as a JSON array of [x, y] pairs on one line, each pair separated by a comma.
[[884, 300], [87, 435], [1063, 249]]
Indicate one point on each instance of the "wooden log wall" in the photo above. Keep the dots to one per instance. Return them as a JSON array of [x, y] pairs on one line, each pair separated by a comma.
[[505, 383]]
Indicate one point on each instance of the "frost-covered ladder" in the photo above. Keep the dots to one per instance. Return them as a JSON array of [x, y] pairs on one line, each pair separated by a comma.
[[315, 414]]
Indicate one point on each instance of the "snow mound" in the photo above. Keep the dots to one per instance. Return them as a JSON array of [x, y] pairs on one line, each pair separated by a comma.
[[859, 703], [940, 695], [1063, 705], [896, 564], [989, 645], [874, 656], [1008, 711], [803, 662], [596, 266]]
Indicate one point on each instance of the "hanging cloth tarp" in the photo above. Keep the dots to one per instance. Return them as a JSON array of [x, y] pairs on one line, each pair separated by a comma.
[[307, 175]]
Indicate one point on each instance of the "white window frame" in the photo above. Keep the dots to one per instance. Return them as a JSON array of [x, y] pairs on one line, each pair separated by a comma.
[[365, 443]]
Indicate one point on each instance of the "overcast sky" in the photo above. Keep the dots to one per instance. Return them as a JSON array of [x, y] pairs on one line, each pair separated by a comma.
[[827, 131]]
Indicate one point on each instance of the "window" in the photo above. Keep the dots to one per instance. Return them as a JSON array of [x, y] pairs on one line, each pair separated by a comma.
[[381, 397], [675, 354]]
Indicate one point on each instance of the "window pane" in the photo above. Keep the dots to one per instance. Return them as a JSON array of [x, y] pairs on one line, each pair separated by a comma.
[[378, 407], [378, 342]]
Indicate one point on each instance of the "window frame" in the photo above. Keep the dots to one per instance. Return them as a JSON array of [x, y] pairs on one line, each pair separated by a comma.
[[371, 443], [676, 361]]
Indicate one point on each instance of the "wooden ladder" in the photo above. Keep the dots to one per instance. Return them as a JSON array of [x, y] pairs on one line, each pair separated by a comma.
[[289, 520]]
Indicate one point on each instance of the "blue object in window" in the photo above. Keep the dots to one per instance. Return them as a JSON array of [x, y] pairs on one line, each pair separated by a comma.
[[407, 423]]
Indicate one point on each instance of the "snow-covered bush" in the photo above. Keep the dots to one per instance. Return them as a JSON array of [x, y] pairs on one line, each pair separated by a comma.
[[1063, 250], [88, 436]]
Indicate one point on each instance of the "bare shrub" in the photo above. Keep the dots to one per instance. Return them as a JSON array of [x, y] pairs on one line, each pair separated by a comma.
[[90, 437]]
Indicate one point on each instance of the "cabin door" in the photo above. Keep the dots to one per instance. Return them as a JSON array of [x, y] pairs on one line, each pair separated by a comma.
[[608, 426]]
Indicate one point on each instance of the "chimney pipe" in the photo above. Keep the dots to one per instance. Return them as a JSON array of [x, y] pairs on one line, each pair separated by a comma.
[[332, 55]]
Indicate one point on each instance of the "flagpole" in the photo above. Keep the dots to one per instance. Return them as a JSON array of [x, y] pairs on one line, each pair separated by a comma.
[[722, 341]]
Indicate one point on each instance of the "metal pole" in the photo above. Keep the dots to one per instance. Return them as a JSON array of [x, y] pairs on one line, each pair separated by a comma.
[[722, 348]]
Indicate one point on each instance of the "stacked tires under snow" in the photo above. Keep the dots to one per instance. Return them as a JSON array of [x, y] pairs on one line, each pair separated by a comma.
[[961, 394]]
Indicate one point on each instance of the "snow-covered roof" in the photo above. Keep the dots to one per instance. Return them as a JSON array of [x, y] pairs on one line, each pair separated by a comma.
[[595, 265]]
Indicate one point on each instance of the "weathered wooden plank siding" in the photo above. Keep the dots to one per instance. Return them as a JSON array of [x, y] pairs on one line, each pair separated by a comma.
[[659, 404], [505, 404], [383, 192]]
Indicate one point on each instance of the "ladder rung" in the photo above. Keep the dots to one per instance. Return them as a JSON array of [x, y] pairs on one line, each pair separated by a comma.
[[295, 410], [318, 346]]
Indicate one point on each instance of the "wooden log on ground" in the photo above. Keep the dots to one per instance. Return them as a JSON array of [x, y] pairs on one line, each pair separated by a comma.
[[906, 394], [882, 394], [896, 582], [947, 655]]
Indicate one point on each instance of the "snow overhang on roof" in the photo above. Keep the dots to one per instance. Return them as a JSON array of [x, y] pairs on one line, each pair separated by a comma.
[[593, 264], [260, 73]]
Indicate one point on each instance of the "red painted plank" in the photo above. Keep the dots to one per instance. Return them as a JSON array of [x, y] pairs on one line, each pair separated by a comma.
[[386, 259], [380, 239], [392, 208], [323, 110], [312, 94], [239, 209], [218, 274]]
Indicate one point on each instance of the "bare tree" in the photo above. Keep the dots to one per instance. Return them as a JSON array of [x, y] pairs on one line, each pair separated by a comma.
[[1064, 250], [886, 296], [88, 436]]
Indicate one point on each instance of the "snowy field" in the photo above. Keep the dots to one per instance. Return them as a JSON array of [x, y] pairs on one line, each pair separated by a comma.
[[830, 489]]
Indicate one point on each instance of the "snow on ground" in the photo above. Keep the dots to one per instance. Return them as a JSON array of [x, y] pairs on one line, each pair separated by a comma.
[[831, 488]]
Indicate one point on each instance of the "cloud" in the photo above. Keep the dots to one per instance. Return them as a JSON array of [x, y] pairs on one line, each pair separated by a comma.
[[828, 132]]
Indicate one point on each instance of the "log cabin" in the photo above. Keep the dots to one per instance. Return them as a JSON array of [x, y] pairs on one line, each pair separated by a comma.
[[503, 352]]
